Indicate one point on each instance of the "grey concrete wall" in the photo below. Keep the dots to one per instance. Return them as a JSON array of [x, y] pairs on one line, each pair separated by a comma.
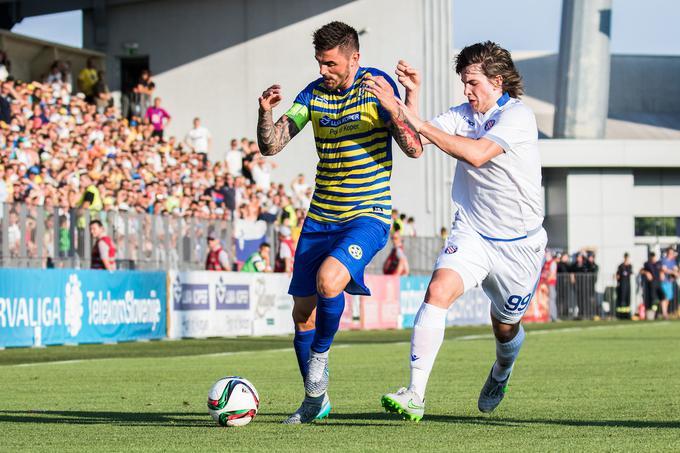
[[601, 216], [555, 192], [583, 69]]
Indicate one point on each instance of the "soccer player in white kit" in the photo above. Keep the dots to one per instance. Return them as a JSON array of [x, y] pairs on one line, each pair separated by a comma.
[[497, 240]]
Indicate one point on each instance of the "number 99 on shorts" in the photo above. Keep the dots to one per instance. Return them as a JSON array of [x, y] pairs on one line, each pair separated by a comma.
[[518, 304]]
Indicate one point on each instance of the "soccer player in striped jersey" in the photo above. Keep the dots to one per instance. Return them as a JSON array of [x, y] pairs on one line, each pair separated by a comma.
[[349, 217]]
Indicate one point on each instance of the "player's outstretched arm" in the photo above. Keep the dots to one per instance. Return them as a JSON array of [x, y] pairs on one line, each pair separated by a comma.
[[403, 132], [273, 137], [475, 152]]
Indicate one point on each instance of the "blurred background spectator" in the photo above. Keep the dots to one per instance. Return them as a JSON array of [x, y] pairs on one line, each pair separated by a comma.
[[396, 262]]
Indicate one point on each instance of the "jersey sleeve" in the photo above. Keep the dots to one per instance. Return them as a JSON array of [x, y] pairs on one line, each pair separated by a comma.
[[382, 113], [513, 127], [299, 111], [448, 121]]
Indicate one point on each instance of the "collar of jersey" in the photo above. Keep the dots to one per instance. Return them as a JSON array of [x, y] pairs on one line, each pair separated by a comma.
[[498, 105], [359, 73]]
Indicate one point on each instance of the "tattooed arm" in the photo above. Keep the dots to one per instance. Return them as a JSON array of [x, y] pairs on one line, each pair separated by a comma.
[[475, 152], [271, 138], [409, 78], [399, 125], [405, 135]]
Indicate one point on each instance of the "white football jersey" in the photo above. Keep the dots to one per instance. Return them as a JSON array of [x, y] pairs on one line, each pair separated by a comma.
[[502, 198]]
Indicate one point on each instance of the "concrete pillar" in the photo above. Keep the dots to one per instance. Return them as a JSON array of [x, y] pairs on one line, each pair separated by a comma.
[[437, 98], [582, 99]]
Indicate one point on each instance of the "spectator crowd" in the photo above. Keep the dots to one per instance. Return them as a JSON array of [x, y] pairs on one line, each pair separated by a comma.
[[63, 151]]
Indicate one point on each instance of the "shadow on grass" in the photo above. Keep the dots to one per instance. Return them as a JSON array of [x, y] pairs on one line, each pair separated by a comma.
[[201, 419], [174, 419], [512, 422]]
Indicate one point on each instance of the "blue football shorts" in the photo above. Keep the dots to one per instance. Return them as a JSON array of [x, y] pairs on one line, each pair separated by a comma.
[[353, 243]]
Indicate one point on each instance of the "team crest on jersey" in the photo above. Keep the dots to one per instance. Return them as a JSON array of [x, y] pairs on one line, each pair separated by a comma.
[[451, 249], [489, 124], [355, 251]]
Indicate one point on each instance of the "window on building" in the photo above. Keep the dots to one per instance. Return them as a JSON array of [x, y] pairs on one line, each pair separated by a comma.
[[657, 226]]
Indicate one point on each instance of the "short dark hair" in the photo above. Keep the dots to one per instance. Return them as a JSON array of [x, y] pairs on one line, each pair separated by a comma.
[[96, 222], [494, 61], [265, 244], [336, 34]]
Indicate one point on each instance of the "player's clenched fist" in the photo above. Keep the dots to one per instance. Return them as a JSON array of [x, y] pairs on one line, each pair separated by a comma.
[[407, 75], [270, 97]]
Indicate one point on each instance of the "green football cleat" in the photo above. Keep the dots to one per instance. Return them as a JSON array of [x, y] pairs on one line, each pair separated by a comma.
[[311, 409], [492, 393], [406, 403], [325, 408]]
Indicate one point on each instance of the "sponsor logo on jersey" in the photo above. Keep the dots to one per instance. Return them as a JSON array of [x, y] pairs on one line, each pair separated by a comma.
[[377, 209], [326, 121], [469, 121], [355, 251], [489, 124], [414, 357], [320, 100], [451, 249]]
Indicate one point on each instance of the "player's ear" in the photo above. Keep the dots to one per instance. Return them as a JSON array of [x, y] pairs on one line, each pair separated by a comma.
[[354, 59]]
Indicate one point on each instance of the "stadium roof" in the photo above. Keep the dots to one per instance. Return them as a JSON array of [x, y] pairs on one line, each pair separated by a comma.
[[633, 125]]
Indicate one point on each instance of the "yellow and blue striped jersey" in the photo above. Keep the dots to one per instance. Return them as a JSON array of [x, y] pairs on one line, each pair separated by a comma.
[[354, 147]]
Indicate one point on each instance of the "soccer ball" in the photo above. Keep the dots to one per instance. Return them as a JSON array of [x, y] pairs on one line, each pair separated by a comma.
[[233, 401]]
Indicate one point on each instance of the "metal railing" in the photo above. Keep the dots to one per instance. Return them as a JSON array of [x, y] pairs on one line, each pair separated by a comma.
[[577, 298], [32, 236], [421, 253]]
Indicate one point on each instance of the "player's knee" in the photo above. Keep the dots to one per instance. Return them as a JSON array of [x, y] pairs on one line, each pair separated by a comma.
[[505, 332], [439, 294], [328, 286]]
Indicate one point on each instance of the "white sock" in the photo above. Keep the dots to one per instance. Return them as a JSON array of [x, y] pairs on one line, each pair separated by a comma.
[[428, 335], [506, 353]]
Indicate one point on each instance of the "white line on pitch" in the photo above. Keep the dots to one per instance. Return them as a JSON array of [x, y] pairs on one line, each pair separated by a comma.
[[230, 353]]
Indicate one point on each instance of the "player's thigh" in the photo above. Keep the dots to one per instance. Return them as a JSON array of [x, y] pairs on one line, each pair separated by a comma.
[[355, 247], [465, 253], [514, 277], [312, 249], [445, 287]]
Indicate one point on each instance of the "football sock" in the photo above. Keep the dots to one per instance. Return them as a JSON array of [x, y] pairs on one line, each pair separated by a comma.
[[427, 338], [328, 313], [302, 342], [506, 353]]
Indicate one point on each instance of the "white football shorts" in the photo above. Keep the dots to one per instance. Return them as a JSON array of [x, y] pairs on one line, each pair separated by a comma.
[[507, 270]]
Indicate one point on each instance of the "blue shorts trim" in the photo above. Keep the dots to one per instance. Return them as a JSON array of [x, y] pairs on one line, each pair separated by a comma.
[[353, 243]]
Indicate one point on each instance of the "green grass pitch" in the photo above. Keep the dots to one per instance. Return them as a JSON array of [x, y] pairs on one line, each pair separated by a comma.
[[576, 387]]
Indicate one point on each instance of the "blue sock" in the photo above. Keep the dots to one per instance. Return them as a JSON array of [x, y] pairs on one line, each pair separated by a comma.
[[328, 314], [302, 342], [506, 354]]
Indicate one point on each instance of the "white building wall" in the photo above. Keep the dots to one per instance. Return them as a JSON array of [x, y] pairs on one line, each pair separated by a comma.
[[601, 216]]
